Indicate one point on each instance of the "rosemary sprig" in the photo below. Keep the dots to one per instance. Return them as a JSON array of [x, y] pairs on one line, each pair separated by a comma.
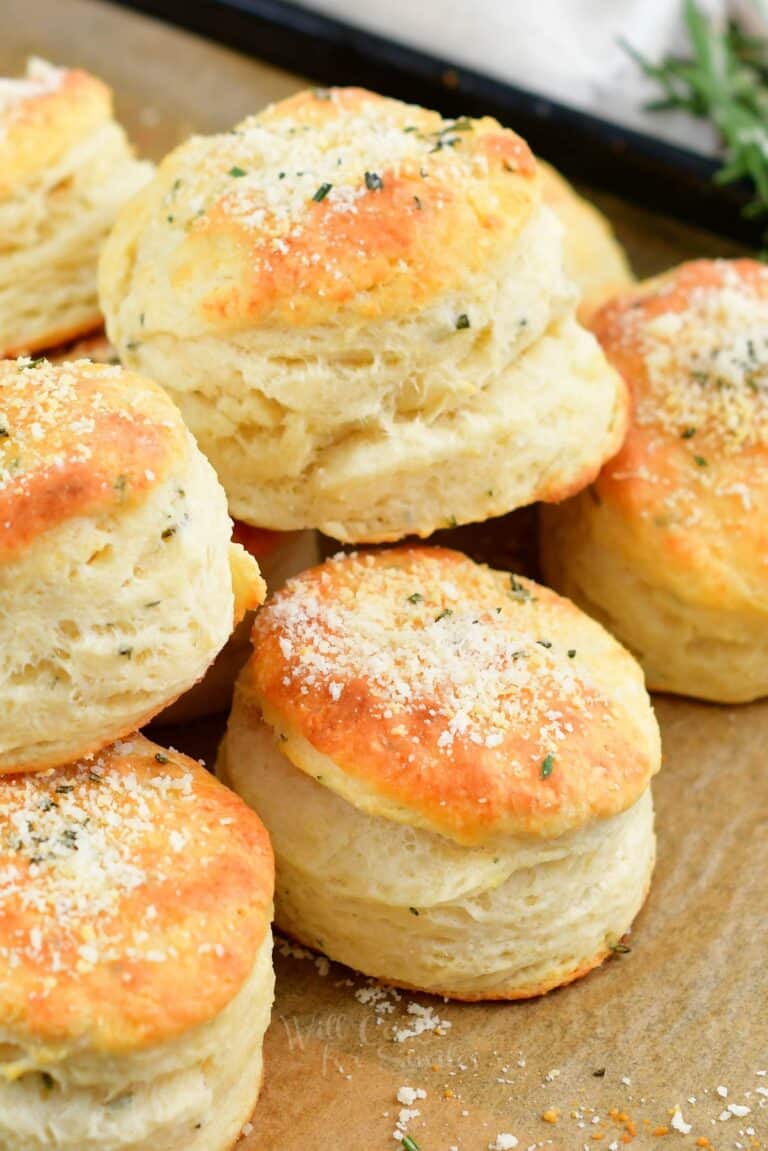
[[725, 81]]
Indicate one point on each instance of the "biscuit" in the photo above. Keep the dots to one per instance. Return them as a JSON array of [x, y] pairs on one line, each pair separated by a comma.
[[594, 259], [118, 579], [279, 556], [482, 751], [668, 548], [361, 311], [65, 170], [136, 966]]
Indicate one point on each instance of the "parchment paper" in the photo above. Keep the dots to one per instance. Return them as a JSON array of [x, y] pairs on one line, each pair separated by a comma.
[[680, 1020]]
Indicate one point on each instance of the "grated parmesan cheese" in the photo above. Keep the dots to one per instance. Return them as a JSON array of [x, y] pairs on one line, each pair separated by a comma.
[[473, 665], [72, 845], [708, 367], [41, 417]]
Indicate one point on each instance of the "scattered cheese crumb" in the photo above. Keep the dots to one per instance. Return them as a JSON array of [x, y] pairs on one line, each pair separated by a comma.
[[409, 1095], [424, 1020], [679, 1124]]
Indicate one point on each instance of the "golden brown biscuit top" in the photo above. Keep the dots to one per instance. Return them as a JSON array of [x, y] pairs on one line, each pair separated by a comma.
[[337, 199], [478, 702], [78, 439], [42, 115], [693, 348], [135, 891], [693, 345]]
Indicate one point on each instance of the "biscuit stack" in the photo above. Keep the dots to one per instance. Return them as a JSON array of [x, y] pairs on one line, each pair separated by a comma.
[[135, 898], [362, 312]]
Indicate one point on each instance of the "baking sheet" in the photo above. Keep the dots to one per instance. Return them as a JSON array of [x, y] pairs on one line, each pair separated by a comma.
[[679, 1020]]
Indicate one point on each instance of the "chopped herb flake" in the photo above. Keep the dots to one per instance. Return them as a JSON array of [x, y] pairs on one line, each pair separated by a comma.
[[373, 182], [445, 142], [322, 192], [462, 322], [443, 614], [517, 590], [547, 765], [417, 597], [161, 758], [237, 172]]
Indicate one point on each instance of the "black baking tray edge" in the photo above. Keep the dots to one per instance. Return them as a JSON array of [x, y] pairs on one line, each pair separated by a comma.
[[637, 167]]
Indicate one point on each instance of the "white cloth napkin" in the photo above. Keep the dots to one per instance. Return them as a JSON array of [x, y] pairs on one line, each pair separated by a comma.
[[568, 50]]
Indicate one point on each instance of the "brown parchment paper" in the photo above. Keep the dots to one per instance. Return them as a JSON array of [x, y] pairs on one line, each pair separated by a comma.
[[681, 1020]]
